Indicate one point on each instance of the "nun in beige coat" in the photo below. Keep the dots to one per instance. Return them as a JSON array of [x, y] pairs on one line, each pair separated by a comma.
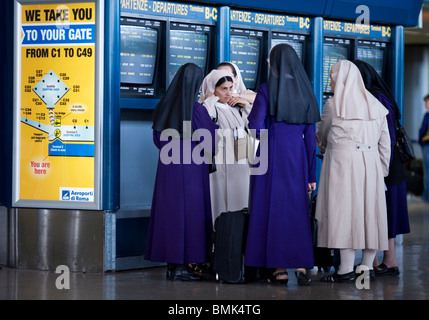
[[354, 138], [229, 185]]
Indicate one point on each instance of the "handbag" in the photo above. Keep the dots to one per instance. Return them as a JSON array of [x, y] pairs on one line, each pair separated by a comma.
[[240, 148], [240, 143], [403, 144]]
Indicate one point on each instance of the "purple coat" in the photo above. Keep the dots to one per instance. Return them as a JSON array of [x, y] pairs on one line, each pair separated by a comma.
[[279, 234], [396, 195], [181, 221]]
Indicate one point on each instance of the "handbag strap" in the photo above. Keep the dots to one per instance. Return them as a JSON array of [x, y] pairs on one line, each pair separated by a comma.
[[215, 119], [398, 124]]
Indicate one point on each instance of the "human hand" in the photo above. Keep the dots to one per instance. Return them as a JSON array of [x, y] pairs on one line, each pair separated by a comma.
[[237, 101], [311, 187]]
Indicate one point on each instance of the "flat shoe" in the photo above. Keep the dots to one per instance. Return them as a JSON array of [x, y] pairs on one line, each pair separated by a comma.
[[185, 275], [335, 277], [181, 272], [385, 271], [273, 278], [303, 278]]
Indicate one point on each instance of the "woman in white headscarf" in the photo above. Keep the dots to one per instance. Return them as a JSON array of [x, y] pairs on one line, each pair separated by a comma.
[[229, 184], [240, 90], [351, 206]]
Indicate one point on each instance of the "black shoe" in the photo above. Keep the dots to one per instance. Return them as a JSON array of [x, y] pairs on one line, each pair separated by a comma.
[[171, 269], [385, 271], [184, 273], [303, 278], [272, 278], [335, 277], [199, 268]]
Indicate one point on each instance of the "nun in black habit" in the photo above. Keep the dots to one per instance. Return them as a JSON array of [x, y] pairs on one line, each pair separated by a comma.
[[279, 235], [396, 193], [180, 221]]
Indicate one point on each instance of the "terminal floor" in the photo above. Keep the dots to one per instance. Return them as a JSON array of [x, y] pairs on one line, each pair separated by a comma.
[[151, 284]]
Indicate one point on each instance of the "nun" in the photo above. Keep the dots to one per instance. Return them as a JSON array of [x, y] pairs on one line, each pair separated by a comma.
[[240, 91], [285, 110], [351, 204], [229, 184], [180, 221], [396, 193]]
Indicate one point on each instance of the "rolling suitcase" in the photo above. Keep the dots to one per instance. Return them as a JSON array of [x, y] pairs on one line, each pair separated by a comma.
[[324, 258], [228, 245]]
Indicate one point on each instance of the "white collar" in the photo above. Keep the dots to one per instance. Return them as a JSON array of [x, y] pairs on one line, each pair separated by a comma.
[[222, 105]]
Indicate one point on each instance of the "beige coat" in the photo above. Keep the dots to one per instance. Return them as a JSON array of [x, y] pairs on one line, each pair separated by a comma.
[[229, 184], [351, 204]]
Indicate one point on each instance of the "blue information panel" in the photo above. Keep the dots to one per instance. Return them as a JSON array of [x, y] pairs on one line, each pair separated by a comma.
[[169, 9], [270, 20], [153, 46], [352, 29], [347, 40]]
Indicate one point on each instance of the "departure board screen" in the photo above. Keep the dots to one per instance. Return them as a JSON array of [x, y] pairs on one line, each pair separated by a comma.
[[295, 41], [139, 46], [332, 53], [372, 53], [245, 53], [188, 43]]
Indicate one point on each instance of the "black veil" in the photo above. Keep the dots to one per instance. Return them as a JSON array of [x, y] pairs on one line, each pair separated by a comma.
[[291, 96], [375, 84], [177, 104]]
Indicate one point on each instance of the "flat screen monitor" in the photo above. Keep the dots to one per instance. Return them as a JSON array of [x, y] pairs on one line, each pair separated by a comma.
[[373, 53], [295, 41], [246, 53], [334, 50], [188, 43], [139, 55]]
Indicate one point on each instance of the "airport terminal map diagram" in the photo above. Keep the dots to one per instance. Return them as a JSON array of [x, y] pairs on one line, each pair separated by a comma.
[[57, 102]]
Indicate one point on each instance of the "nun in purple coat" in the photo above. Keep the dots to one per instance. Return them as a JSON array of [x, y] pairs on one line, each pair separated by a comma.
[[279, 235], [396, 193], [181, 221]]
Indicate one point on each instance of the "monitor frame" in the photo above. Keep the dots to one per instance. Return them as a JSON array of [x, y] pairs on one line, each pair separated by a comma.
[[143, 82], [155, 89], [339, 42], [262, 36], [303, 37], [185, 26], [354, 44], [384, 46]]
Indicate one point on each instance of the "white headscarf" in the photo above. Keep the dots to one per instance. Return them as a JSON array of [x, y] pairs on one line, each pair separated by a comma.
[[240, 86], [351, 99], [209, 82]]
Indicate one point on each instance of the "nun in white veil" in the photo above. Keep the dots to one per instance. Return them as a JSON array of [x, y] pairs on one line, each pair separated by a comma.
[[241, 95], [229, 184], [351, 206]]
